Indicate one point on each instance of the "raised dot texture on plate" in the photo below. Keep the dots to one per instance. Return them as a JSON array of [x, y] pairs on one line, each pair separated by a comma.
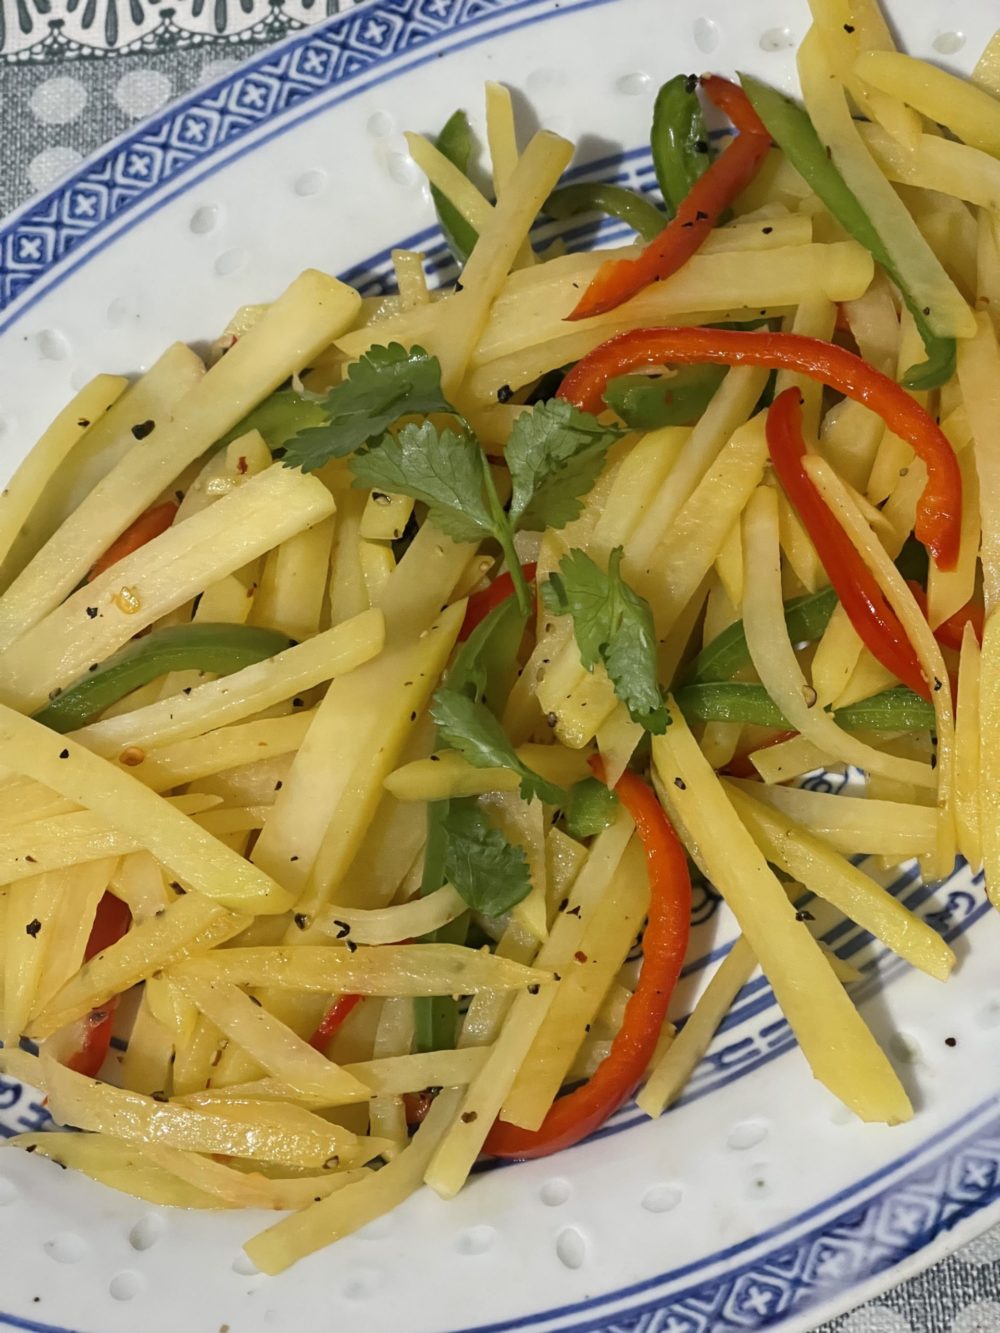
[[125, 1286], [9, 1193], [948, 43], [555, 1192], [746, 1135], [146, 1232], [661, 1198], [66, 1248], [230, 261], [204, 219], [706, 35], [402, 168], [245, 1266], [633, 85], [380, 124], [777, 39], [571, 1247], [476, 1240], [52, 345], [48, 166], [310, 182], [364, 1283]]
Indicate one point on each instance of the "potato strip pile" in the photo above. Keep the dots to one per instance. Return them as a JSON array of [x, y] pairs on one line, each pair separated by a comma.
[[366, 689]]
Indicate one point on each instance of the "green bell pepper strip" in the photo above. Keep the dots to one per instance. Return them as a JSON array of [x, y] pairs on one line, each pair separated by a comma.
[[628, 206], [455, 143], [792, 130], [435, 1017], [647, 404], [220, 649], [897, 709], [679, 139], [805, 619], [278, 418]]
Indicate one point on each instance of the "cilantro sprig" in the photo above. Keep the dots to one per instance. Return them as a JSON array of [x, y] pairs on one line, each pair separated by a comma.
[[489, 872], [554, 454], [470, 728], [613, 625]]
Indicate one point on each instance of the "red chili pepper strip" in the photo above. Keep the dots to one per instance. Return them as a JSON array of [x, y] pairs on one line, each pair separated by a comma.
[[871, 615], [939, 512], [480, 604], [698, 213], [951, 632], [333, 1020], [143, 530], [579, 1113], [111, 922]]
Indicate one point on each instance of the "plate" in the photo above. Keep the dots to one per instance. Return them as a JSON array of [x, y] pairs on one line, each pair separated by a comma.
[[757, 1202]]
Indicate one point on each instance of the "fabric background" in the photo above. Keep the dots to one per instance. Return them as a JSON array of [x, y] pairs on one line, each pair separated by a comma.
[[76, 73]]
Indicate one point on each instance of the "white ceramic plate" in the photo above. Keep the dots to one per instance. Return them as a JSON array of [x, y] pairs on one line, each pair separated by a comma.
[[756, 1203]]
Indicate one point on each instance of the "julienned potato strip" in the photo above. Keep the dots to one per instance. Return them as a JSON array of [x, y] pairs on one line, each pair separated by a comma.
[[354, 950]]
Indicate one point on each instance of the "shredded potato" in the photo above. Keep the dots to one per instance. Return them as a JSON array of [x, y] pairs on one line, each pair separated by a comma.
[[364, 698]]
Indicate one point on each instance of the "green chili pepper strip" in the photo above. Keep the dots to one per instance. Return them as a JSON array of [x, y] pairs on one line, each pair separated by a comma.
[[805, 618], [220, 649], [278, 418], [436, 1016], [629, 207], [678, 400], [679, 139], [790, 127], [455, 142], [898, 709]]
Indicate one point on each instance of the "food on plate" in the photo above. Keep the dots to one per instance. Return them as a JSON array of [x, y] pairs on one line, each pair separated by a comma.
[[368, 693]]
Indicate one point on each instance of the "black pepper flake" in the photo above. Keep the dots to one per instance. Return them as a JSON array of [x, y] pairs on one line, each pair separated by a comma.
[[64, 754], [435, 759], [534, 988], [574, 911], [143, 428], [564, 904], [505, 393], [933, 762], [380, 498], [32, 860], [469, 1116], [951, 1041], [458, 285], [33, 927], [159, 1097], [297, 702], [178, 887], [178, 496], [278, 785], [293, 858], [701, 146], [687, 224], [54, 694], [83, 423], [92, 612], [767, 230], [343, 929], [690, 83], [701, 216], [927, 310], [848, 27], [351, 946], [253, 1000], [556, 976], [580, 956], [413, 716], [187, 689], [93, 666], [301, 920], [804, 916], [937, 684], [551, 719], [680, 784], [32, 1147]]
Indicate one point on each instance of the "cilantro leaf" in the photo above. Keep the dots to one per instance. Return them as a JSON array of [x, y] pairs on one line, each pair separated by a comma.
[[486, 664], [613, 625], [443, 469], [471, 729], [555, 454], [489, 872], [279, 418], [590, 809], [385, 384]]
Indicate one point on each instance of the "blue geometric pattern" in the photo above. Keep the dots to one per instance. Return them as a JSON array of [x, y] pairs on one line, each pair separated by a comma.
[[190, 134]]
